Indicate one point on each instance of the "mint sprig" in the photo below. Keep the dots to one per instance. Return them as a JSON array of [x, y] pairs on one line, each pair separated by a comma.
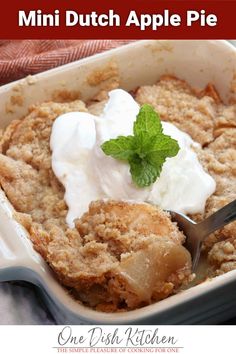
[[146, 150]]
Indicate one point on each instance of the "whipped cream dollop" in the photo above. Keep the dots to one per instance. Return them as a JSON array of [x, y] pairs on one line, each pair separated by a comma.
[[88, 174]]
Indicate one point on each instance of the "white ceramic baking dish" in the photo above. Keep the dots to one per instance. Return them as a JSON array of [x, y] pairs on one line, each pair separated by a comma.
[[198, 62]]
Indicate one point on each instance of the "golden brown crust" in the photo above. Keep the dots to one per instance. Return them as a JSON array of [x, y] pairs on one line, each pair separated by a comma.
[[177, 103]]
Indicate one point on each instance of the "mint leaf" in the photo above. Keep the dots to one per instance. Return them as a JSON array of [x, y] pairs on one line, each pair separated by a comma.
[[146, 127], [121, 148], [143, 173], [148, 122], [146, 151], [163, 146], [143, 144]]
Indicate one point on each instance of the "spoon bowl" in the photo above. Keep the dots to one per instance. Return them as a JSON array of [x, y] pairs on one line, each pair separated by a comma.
[[196, 232]]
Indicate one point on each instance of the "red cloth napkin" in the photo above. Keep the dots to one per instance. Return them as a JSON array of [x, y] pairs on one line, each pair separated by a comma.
[[19, 58]]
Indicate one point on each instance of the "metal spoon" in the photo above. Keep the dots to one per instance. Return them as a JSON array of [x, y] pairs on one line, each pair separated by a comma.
[[196, 233]]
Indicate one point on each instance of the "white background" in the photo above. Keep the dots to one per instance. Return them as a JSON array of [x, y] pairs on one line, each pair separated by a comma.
[[44, 339]]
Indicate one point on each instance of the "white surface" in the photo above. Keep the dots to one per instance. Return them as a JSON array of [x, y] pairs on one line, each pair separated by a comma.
[[88, 174], [127, 339]]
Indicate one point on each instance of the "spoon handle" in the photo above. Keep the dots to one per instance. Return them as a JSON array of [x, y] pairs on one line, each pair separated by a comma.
[[217, 220]]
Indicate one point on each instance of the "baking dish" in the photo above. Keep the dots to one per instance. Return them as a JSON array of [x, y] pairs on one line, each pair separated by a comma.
[[139, 63]]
